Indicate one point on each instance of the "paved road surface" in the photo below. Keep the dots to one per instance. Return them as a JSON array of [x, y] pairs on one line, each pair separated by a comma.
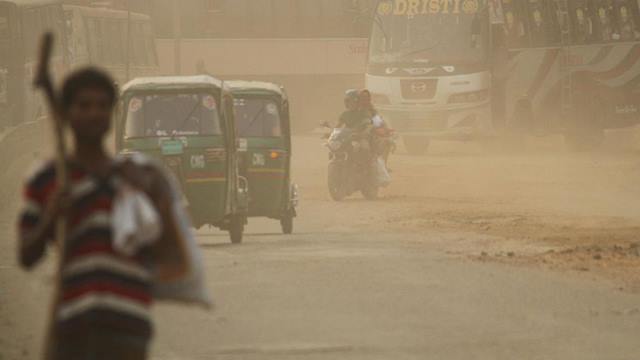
[[353, 283]]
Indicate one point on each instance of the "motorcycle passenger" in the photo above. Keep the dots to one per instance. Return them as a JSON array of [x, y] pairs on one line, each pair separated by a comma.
[[382, 139]]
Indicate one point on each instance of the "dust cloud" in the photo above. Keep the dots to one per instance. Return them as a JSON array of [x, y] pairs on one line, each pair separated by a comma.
[[448, 258]]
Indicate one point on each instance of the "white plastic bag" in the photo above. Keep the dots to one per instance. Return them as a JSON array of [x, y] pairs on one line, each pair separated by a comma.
[[382, 175], [135, 222], [191, 287]]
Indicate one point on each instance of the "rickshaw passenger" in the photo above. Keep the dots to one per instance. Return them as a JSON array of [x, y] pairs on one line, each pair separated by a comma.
[[381, 139], [257, 122]]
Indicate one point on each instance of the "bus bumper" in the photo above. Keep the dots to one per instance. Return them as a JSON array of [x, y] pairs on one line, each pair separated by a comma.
[[446, 123]]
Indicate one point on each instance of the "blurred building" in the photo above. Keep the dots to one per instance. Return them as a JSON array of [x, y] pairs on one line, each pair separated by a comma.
[[262, 18], [316, 48], [251, 18]]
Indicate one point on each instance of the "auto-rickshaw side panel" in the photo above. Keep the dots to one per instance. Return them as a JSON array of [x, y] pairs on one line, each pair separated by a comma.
[[266, 161]]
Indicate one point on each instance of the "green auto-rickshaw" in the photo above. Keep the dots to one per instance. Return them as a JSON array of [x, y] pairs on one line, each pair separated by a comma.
[[262, 122], [187, 123]]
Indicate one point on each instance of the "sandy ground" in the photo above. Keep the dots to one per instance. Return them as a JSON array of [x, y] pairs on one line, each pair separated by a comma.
[[472, 253]]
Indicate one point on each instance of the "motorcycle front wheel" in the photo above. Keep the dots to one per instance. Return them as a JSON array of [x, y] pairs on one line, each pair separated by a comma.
[[370, 192], [335, 181]]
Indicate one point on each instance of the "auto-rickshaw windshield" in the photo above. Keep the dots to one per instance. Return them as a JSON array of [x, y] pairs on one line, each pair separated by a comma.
[[257, 117], [172, 114]]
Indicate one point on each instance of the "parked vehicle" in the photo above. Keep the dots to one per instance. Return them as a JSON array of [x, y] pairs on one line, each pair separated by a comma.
[[187, 123], [84, 35], [264, 132]]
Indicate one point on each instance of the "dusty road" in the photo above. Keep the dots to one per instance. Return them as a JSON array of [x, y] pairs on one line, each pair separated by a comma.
[[471, 254]]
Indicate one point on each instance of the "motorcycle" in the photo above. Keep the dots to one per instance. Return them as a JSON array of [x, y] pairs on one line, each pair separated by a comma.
[[352, 165]]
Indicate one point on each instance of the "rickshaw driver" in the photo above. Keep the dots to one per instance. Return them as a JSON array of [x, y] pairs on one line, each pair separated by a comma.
[[271, 121]]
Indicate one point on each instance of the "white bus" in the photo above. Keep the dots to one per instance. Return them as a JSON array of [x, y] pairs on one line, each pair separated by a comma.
[[460, 69], [84, 35]]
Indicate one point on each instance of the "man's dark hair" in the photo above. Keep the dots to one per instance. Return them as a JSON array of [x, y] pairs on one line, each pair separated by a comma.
[[87, 78]]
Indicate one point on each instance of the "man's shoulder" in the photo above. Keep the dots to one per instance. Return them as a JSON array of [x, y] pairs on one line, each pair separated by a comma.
[[40, 173]]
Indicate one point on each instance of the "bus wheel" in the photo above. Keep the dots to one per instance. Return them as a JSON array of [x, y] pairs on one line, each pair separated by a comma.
[[416, 145], [287, 224], [236, 229]]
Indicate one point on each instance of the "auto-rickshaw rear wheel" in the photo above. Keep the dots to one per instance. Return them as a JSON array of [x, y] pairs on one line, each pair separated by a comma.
[[236, 229], [286, 222]]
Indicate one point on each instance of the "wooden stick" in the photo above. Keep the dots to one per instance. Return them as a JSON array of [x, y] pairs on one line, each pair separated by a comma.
[[44, 82]]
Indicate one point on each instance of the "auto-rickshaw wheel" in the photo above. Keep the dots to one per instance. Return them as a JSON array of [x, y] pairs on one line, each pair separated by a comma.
[[370, 192], [236, 229], [286, 223]]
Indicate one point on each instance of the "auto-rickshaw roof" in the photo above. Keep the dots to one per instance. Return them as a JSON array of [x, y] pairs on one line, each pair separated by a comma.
[[173, 83], [255, 87]]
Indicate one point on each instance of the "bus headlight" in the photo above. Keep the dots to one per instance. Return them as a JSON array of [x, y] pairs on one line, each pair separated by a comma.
[[469, 97]]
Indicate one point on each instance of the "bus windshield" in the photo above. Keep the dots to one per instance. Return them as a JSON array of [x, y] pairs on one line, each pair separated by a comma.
[[173, 114], [447, 34], [256, 117]]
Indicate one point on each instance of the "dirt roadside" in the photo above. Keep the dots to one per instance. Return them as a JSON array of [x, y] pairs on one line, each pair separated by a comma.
[[542, 206]]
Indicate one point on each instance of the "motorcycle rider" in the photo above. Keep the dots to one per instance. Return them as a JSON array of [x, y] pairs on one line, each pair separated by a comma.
[[353, 117]]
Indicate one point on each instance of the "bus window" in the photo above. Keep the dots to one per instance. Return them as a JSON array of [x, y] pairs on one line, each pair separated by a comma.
[[5, 30], [581, 22], [515, 32], [543, 26], [604, 21], [626, 21], [450, 37]]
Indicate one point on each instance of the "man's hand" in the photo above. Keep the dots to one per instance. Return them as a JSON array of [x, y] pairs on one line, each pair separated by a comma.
[[57, 206], [33, 243]]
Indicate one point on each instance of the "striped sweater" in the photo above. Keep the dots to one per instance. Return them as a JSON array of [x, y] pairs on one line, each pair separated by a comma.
[[100, 288]]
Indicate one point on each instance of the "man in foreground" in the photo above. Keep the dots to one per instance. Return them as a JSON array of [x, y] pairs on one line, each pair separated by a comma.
[[105, 294]]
